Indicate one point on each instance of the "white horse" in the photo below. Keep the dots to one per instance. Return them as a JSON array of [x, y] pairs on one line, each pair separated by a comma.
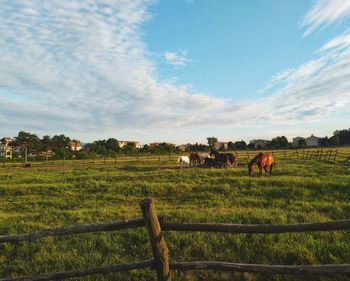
[[183, 161], [203, 156]]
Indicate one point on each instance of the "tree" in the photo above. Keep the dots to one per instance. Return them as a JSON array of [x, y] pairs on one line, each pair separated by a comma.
[[251, 145], [25, 139], [112, 145], [61, 146], [212, 141], [231, 145], [279, 142], [130, 147], [323, 141], [302, 143], [343, 136], [240, 145]]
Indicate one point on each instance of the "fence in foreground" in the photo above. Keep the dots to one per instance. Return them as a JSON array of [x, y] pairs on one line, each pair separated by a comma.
[[168, 161], [161, 263]]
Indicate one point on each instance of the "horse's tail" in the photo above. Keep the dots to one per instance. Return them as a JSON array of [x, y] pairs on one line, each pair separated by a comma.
[[178, 160]]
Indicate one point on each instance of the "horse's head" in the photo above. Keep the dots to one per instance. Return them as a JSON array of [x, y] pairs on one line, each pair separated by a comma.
[[212, 152], [250, 169]]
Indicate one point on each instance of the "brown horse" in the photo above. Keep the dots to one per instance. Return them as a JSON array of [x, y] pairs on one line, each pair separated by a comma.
[[195, 159], [263, 161], [232, 159]]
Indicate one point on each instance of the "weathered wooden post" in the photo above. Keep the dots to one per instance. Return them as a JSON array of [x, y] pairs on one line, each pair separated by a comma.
[[335, 156], [159, 247], [330, 154]]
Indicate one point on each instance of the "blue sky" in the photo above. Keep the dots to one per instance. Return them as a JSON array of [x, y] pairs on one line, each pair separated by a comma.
[[174, 70]]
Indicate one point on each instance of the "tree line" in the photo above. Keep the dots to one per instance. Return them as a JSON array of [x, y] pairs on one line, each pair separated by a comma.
[[59, 146]]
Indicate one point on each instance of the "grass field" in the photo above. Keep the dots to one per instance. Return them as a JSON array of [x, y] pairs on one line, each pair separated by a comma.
[[299, 191]]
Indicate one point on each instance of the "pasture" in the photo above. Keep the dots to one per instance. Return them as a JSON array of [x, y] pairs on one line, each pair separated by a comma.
[[299, 191]]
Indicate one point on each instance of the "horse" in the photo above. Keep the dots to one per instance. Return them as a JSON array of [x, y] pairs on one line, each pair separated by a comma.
[[220, 158], [263, 161], [209, 162], [232, 159], [183, 161], [194, 159], [203, 156]]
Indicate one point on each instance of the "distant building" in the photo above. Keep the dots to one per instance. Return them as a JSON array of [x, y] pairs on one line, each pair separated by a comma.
[[154, 144], [5, 148], [183, 147], [296, 141], [75, 145], [221, 145], [312, 141], [260, 143], [124, 143]]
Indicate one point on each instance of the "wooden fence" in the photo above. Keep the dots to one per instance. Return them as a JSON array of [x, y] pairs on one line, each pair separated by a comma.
[[168, 161], [161, 263]]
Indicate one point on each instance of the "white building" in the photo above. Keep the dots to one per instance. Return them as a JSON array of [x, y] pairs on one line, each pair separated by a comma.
[[260, 143], [183, 147], [312, 141], [221, 145], [75, 145], [5, 148]]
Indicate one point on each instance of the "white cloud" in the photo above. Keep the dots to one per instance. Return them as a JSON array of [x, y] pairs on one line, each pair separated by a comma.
[[81, 66], [324, 13], [176, 58]]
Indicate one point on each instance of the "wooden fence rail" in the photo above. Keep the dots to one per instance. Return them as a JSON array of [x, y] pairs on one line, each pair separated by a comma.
[[161, 262], [166, 160]]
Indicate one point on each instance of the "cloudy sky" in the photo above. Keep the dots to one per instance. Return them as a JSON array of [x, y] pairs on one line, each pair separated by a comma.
[[174, 70]]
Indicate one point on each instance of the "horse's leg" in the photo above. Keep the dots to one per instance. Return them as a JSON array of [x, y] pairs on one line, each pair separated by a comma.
[[260, 171], [265, 168], [271, 169]]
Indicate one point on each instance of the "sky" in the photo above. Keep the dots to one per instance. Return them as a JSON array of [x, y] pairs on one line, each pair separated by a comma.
[[174, 70]]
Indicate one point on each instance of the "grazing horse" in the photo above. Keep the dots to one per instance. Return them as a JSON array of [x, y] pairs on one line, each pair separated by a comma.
[[209, 162], [183, 161], [220, 158], [263, 161], [232, 159], [203, 156], [194, 159]]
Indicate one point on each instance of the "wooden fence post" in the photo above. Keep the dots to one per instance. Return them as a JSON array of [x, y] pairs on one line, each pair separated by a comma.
[[330, 154], [335, 156], [159, 247]]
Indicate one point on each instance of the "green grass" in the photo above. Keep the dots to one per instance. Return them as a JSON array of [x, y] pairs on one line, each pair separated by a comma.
[[299, 191]]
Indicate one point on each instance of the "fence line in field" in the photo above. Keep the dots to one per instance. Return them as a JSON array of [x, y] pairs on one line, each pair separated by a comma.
[[161, 262], [326, 155]]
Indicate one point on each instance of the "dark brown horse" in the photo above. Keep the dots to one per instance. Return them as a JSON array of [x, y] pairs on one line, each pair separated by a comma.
[[263, 161], [194, 159], [220, 158]]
